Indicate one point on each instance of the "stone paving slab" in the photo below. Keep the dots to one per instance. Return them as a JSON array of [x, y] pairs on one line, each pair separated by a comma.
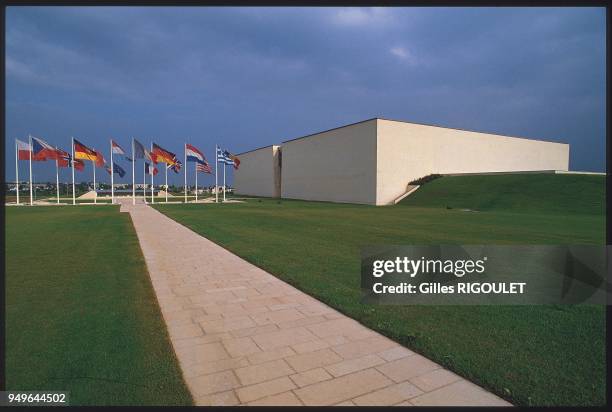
[[245, 337]]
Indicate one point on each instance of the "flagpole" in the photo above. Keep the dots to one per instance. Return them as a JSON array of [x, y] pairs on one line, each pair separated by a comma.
[[31, 148], [57, 174], [224, 167], [216, 178], [185, 171], [17, 169], [73, 166], [133, 181], [144, 181], [196, 186], [152, 187], [112, 171], [94, 175], [166, 182]]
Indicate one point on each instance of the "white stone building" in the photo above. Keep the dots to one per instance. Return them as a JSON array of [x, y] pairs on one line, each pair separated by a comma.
[[373, 161]]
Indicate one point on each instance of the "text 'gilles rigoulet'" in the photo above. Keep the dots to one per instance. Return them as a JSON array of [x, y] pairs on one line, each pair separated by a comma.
[[458, 268]]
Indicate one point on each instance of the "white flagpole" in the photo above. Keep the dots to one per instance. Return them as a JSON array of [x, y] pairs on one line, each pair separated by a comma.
[[152, 187], [57, 174], [94, 176], [216, 178], [224, 167], [112, 177], [17, 170], [73, 166], [144, 181], [31, 148], [133, 181], [196, 186], [185, 171], [166, 182]]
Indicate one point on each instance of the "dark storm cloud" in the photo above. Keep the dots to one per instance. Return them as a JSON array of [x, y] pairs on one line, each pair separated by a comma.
[[247, 77]]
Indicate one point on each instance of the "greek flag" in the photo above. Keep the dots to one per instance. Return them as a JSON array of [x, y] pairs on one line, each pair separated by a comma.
[[222, 157]]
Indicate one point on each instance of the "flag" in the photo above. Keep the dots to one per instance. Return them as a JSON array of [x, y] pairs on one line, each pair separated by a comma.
[[234, 159], [149, 169], [66, 161], [139, 150], [203, 167], [78, 165], [100, 161], [163, 155], [23, 150], [176, 166], [83, 152], [63, 158], [193, 154], [116, 168], [221, 158], [150, 156], [116, 149], [42, 150]]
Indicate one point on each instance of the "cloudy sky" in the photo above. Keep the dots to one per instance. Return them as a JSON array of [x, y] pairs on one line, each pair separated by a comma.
[[249, 77]]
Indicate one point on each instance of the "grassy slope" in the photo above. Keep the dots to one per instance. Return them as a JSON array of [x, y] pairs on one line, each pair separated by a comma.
[[81, 314], [525, 193], [528, 354]]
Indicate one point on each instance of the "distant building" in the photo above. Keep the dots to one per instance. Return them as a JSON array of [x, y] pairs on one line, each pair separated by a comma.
[[373, 161]]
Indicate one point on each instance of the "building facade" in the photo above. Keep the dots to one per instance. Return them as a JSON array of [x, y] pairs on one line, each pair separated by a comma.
[[372, 162], [259, 173]]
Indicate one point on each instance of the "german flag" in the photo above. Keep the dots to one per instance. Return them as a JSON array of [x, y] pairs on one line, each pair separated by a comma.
[[83, 152], [163, 155]]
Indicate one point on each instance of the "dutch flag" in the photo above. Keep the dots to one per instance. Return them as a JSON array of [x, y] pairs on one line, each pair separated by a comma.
[[116, 148], [194, 155]]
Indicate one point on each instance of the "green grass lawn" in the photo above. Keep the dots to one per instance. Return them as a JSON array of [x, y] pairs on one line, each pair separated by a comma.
[[81, 313], [530, 355]]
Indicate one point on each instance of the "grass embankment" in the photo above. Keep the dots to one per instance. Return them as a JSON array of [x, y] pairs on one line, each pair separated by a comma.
[[548, 193], [530, 355], [81, 313]]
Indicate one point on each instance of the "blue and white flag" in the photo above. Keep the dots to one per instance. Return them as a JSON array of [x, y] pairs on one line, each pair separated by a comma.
[[222, 157]]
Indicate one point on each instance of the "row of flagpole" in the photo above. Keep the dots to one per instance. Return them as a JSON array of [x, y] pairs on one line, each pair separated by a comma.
[[45, 151]]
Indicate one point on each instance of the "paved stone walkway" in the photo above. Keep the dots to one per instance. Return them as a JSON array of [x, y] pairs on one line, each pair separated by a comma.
[[242, 336]]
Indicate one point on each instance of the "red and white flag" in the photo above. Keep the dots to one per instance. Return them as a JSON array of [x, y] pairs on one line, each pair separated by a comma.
[[150, 169], [23, 150]]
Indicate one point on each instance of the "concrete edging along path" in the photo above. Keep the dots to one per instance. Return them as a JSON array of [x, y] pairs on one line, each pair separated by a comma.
[[243, 336]]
